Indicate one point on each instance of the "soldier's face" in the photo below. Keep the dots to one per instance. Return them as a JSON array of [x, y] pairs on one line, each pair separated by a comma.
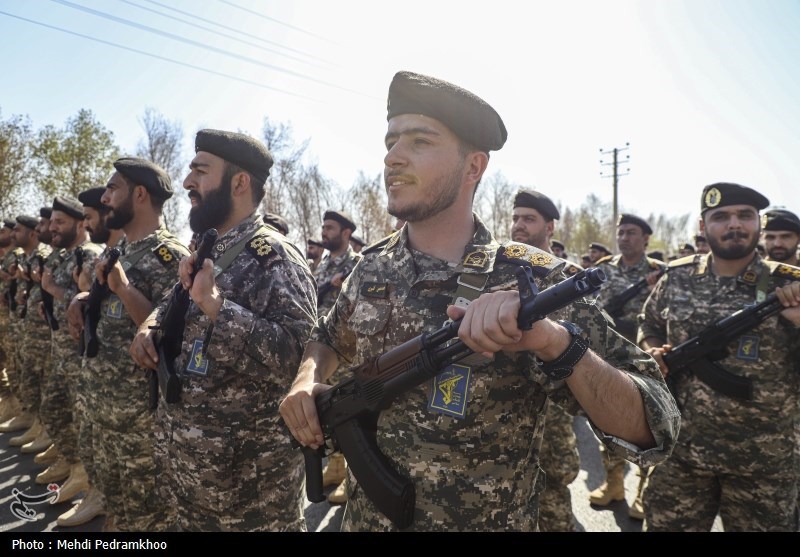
[[424, 170], [43, 231], [118, 197], [5, 237], [314, 252], [595, 254], [781, 245], [631, 240], [209, 186], [702, 247], [530, 227], [94, 223], [732, 232], [22, 236], [64, 229], [332, 235]]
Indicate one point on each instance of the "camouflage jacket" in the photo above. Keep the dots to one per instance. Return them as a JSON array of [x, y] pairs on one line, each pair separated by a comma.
[[470, 438], [62, 275], [11, 257], [720, 433], [33, 323], [326, 270]]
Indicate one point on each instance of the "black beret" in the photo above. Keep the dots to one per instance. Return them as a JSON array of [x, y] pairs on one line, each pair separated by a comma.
[[656, 255], [278, 222], [236, 148], [699, 238], [687, 246], [464, 113], [340, 217], [780, 219], [142, 172], [723, 194], [557, 244], [91, 198], [586, 257], [46, 212], [536, 200], [69, 205], [30, 222], [357, 240], [8, 223], [315, 243], [599, 247], [625, 218]]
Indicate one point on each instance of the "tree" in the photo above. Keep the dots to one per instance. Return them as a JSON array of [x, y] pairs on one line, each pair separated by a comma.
[[16, 189], [366, 202], [75, 158], [668, 232], [494, 202], [162, 145]]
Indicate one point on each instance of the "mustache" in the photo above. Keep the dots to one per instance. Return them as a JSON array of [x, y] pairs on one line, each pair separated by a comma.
[[195, 195], [734, 234]]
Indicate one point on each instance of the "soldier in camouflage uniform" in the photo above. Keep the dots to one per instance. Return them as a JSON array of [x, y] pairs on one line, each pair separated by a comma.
[[58, 410], [470, 437], [623, 271], [533, 222], [736, 457], [16, 420], [314, 252], [781, 234], [223, 453], [8, 404]]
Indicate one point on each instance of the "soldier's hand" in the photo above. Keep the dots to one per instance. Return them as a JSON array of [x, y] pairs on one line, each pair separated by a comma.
[[75, 315], [117, 280], [143, 350], [658, 355], [36, 276], [337, 280], [789, 296], [47, 279], [203, 289], [299, 412]]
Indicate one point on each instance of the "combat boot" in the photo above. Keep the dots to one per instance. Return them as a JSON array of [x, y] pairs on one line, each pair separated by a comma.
[[30, 435], [9, 408], [57, 471], [41, 443], [77, 481], [613, 489], [339, 495], [47, 457], [92, 505], [636, 510], [18, 423], [335, 471]]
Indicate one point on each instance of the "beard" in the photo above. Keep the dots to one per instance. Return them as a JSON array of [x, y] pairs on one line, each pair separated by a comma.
[[444, 192], [213, 209], [101, 235], [5, 242], [45, 237], [118, 218], [781, 254], [736, 251], [332, 244], [66, 239], [537, 240]]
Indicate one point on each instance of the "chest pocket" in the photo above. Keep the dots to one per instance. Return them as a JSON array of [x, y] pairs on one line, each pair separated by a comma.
[[369, 322]]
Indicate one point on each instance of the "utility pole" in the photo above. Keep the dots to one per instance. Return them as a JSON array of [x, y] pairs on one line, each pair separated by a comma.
[[616, 174]]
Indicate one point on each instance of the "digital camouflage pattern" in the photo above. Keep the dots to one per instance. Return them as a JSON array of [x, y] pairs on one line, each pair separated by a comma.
[[8, 327], [560, 462], [122, 424], [474, 456], [223, 452], [326, 270], [738, 458]]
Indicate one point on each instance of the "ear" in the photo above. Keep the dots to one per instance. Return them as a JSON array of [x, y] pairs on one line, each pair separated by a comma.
[[550, 227], [476, 163], [241, 184], [140, 194], [702, 226]]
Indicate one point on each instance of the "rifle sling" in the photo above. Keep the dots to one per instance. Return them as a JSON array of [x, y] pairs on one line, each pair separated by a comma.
[[721, 380]]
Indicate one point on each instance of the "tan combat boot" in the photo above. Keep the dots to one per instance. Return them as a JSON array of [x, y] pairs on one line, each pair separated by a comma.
[[92, 505], [339, 495], [335, 471], [9, 408], [77, 481], [18, 423], [30, 435], [613, 489], [636, 510], [57, 471], [47, 457], [41, 443]]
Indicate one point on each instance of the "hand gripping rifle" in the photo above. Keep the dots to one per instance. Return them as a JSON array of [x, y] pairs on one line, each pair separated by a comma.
[[348, 412], [47, 303], [169, 333], [29, 284], [699, 354], [88, 345]]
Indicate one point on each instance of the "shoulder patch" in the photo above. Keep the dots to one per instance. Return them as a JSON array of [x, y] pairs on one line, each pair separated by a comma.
[[605, 259], [380, 244], [260, 247], [785, 271], [164, 254], [521, 254], [684, 261]]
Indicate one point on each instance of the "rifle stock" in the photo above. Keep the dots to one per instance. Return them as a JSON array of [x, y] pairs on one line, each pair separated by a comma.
[[88, 344]]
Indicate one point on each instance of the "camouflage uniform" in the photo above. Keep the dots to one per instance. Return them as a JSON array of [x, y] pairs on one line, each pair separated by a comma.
[[122, 424], [328, 267], [736, 458], [223, 452], [58, 410], [5, 388], [10, 328], [475, 464]]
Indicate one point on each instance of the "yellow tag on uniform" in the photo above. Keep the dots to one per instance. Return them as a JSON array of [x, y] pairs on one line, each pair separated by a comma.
[[163, 254]]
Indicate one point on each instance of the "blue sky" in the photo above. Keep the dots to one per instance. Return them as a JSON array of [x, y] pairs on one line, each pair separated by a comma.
[[703, 90]]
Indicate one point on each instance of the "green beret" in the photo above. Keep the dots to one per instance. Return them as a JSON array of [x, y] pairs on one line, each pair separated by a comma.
[[723, 194], [8, 223], [145, 173], [357, 240], [465, 114], [780, 219], [312, 242], [69, 205], [557, 244], [533, 199], [340, 217], [277, 222], [91, 198], [46, 212], [236, 148], [30, 222], [625, 218], [599, 247]]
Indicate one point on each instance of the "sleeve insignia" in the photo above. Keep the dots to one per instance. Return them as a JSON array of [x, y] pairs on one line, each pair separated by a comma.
[[260, 247], [163, 254], [541, 259], [476, 259], [515, 251]]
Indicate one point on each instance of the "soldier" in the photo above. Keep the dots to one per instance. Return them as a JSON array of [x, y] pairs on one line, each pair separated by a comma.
[[314, 251], [622, 271], [59, 388], [357, 243], [686, 249], [558, 249], [781, 234], [533, 219], [473, 455], [223, 453], [586, 261], [735, 457], [597, 251], [701, 244], [277, 222]]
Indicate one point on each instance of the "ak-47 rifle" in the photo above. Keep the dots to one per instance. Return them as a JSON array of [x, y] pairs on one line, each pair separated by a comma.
[[29, 284], [88, 345], [615, 305], [169, 333], [47, 303], [699, 354], [11, 291], [348, 412]]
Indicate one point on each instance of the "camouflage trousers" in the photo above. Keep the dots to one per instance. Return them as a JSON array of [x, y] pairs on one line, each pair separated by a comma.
[[560, 462], [9, 341], [86, 404], [126, 473], [685, 498], [58, 397], [33, 358], [5, 387]]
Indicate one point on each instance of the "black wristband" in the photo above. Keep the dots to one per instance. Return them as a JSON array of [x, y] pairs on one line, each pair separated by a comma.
[[562, 367]]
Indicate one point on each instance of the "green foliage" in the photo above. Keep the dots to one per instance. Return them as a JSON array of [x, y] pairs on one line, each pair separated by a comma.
[[15, 151]]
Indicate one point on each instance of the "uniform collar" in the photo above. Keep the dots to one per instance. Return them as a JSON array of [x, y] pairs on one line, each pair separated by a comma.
[[235, 234]]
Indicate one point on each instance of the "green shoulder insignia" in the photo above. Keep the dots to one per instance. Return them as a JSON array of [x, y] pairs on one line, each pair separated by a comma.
[[783, 270], [605, 259], [522, 254], [388, 241], [684, 261], [164, 254], [260, 247]]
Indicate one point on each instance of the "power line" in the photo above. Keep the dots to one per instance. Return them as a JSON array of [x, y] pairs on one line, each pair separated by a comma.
[[279, 22], [192, 66]]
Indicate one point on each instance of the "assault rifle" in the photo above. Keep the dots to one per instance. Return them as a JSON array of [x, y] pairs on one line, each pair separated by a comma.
[[47, 303], [616, 304], [348, 412], [699, 354], [327, 286], [29, 284], [88, 345], [169, 333]]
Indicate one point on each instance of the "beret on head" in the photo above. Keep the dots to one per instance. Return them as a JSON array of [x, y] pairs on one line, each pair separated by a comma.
[[340, 217], [656, 255], [687, 246], [312, 242], [278, 222], [780, 219], [357, 240], [557, 244], [8, 223], [536, 200], [46, 212], [599, 247], [68, 205], [625, 218], [699, 238], [91, 198], [586, 257], [236, 148], [145, 173], [723, 194], [464, 113], [30, 222]]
